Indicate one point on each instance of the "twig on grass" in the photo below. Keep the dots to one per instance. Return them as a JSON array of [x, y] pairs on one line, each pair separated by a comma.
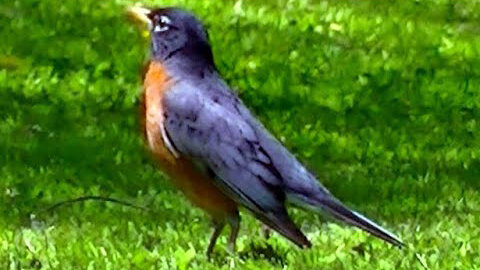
[[93, 198]]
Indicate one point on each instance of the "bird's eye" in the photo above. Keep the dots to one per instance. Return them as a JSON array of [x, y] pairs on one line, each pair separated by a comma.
[[163, 24]]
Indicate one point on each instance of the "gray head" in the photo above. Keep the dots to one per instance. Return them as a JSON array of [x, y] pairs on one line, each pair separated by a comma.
[[176, 35]]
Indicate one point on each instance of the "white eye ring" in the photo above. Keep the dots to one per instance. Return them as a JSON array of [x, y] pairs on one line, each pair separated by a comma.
[[163, 24]]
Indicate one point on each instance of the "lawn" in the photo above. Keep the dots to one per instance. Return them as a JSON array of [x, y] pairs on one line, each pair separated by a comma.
[[381, 100]]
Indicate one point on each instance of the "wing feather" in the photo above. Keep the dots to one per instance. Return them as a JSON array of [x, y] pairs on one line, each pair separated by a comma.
[[212, 126], [213, 131]]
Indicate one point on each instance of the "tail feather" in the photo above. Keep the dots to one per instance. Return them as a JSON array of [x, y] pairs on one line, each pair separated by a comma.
[[341, 212], [282, 223]]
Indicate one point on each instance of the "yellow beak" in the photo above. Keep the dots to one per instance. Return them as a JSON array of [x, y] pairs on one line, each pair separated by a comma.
[[141, 14]]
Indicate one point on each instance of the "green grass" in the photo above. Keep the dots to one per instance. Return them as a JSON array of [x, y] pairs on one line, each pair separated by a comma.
[[381, 99]]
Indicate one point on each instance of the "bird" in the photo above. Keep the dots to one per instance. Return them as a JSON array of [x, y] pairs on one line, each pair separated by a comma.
[[213, 147]]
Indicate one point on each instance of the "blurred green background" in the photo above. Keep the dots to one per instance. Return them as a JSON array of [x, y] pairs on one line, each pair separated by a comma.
[[381, 99]]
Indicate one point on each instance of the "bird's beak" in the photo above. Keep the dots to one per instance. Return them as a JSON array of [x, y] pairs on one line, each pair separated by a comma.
[[141, 14]]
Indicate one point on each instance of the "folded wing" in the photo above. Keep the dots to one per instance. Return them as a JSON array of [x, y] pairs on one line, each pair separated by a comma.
[[216, 136], [213, 128]]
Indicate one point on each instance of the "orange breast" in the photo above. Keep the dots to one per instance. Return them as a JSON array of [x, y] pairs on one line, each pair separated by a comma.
[[196, 185]]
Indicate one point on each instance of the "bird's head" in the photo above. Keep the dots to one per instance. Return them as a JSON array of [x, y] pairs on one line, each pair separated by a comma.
[[175, 34]]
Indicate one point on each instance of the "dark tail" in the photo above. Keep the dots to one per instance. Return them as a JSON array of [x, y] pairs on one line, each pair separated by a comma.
[[341, 212]]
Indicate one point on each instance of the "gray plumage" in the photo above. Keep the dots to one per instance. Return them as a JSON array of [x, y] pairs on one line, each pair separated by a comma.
[[207, 123]]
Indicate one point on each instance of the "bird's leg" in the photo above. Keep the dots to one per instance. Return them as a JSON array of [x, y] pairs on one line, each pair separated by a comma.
[[217, 229], [234, 222]]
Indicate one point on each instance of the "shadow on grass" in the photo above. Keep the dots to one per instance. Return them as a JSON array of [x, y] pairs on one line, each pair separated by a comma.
[[263, 252]]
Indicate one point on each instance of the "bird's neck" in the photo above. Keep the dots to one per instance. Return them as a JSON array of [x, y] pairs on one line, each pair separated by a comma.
[[194, 58]]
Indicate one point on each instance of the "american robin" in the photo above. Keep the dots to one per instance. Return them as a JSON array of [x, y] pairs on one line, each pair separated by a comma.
[[212, 146]]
